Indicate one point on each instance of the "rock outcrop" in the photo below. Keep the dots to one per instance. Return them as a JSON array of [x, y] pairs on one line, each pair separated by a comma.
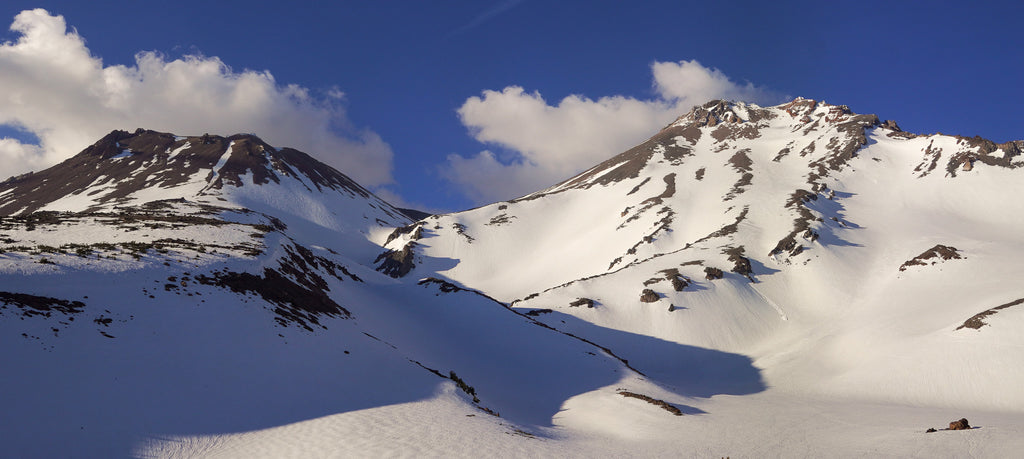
[[649, 296]]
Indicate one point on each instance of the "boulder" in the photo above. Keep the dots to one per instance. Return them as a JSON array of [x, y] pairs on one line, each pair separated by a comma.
[[582, 302], [397, 263], [649, 296], [959, 425], [891, 125], [713, 273]]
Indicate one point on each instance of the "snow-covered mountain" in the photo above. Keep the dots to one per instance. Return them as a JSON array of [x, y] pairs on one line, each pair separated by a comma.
[[796, 280], [129, 169], [158, 287], [845, 257]]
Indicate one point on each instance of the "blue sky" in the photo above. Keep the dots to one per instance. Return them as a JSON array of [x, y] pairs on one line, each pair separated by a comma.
[[394, 81]]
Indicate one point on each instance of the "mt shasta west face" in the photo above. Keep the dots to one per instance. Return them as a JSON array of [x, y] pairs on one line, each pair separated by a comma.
[[743, 250]]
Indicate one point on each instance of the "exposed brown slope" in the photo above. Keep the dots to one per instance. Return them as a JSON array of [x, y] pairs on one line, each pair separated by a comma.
[[122, 163]]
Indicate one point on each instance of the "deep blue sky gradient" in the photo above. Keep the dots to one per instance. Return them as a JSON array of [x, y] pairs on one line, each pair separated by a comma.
[[406, 66]]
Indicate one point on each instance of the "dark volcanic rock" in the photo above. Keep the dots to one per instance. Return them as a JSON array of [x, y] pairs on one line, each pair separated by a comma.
[[397, 263], [537, 312], [442, 285], [959, 425], [653, 401], [297, 302], [649, 296], [713, 273], [943, 252], [976, 321], [679, 281], [741, 264], [582, 302], [800, 106], [415, 230], [40, 305], [123, 163], [891, 125]]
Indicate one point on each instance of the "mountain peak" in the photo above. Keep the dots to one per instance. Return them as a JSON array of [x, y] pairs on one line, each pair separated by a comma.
[[721, 125], [732, 183], [124, 168], [718, 111]]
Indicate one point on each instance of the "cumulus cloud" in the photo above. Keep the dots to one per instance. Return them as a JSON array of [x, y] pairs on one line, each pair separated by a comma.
[[54, 88], [541, 144]]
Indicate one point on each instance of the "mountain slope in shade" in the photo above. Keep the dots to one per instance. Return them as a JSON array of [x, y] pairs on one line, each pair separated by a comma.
[[128, 328]]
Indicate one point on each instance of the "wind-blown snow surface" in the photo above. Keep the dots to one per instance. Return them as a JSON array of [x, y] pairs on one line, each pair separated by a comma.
[[812, 212], [214, 296], [142, 332]]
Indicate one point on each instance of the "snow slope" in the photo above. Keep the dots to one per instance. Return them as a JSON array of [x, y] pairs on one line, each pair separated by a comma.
[[812, 213], [789, 281], [151, 326]]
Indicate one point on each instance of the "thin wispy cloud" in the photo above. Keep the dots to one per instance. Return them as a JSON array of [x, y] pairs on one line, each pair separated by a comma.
[[487, 15]]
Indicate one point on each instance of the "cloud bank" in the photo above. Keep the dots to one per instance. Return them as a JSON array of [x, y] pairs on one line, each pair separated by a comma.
[[54, 88], [542, 144]]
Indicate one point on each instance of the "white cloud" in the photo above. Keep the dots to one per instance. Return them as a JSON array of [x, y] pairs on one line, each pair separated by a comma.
[[548, 143], [56, 89], [688, 83]]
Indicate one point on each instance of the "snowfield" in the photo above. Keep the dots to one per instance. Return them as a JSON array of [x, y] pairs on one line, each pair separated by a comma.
[[789, 281]]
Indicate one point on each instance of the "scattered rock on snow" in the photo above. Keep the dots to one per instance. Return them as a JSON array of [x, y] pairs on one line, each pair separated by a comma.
[[959, 425], [943, 252], [537, 312], [741, 263], [653, 401], [649, 296], [976, 321], [712, 273], [582, 302]]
